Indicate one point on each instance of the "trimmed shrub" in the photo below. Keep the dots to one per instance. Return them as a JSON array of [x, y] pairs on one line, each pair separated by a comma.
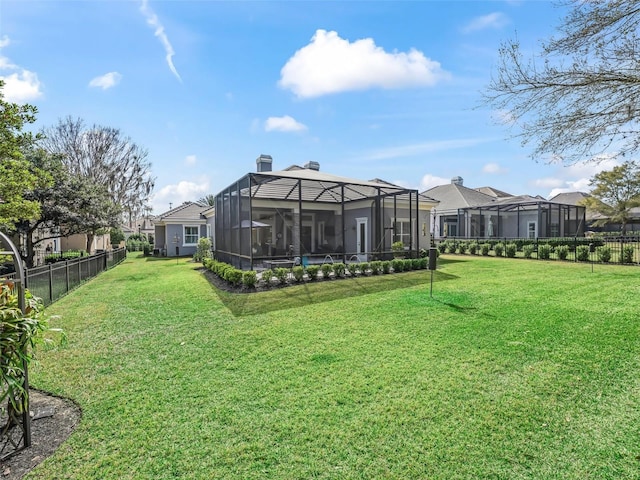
[[312, 271], [582, 253], [408, 264], [364, 266], [203, 250], [604, 254], [562, 251], [462, 247], [510, 250], [473, 247], [528, 250], [233, 276], [442, 246], [376, 267], [397, 265], [298, 273], [386, 266], [484, 249], [327, 269], [352, 268], [499, 249], [452, 247], [266, 276], [281, 274], [544, 252], [627, 254], [249, 279], [339, 269], [416, 264]]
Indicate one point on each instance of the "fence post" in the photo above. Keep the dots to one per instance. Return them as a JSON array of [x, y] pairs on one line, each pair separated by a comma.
[[66, 274], [51, 282]]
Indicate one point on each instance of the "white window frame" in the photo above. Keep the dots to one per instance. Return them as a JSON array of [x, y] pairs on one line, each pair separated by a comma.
[[535, 229], [184, 235], [400, 234], [209, 231]]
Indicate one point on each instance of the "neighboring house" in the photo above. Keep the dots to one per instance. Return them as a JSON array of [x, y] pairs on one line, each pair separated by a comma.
[[177, 231], [490, 213], [576, 198], [303, 213], [78, 241]]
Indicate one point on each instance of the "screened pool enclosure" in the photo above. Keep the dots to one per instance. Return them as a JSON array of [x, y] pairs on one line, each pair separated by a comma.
[[307, 216]]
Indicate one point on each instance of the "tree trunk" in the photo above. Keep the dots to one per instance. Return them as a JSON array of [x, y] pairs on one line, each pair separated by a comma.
[[90, 237]]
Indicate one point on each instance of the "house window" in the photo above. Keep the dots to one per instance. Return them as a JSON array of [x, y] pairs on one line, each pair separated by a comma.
[[191, 235], [531, 230], [209, 230], [403, 231]]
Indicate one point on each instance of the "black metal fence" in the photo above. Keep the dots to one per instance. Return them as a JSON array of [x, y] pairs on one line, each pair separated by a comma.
[[602, 249], [50, 282]]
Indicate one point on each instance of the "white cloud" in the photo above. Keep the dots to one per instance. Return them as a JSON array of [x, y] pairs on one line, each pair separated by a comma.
[[574, 178], [495, 20], [548, 182], [430, 181], [190, 160], [20, 85], [283, 124], [330, 64], [422, 148], [179, 193], [494, 168], [106, 81], [153, 21]]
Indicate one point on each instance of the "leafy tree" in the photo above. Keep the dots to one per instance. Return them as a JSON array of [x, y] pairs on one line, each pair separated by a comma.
[[106, 157], [577, 100], [615, 193], [15, 175], [70, 204], [117, 235]]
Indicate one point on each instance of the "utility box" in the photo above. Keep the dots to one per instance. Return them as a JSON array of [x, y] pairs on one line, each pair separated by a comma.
[[433, 256]]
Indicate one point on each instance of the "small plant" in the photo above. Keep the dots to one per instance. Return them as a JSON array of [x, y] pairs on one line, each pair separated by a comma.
[[544, 252], [462, 247], [386, 266], [281, 275], [604, 254], [397, 265], [499, 249], [473, 247], [416, 264], [398, 249], [364, 266], [627, 254], [233, 276], [249, 279], [442, 247], [582, 253], [266, 276], [451, 247], [327, 269], [298, 273], [408, 264], [376, 267], [312, 272], [484, 249], [562, 251], [510, 250], [353, 269], [527, 250], [339, 269], [203, 250]]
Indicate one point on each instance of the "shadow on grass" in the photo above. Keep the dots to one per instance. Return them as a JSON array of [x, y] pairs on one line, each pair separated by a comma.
[[311, 293]]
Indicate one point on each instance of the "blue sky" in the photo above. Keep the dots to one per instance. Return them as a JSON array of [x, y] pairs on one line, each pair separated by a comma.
[[376, 89]]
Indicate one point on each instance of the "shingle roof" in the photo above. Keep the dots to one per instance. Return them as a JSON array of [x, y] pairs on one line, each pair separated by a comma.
[[452, 196], [186, 211]]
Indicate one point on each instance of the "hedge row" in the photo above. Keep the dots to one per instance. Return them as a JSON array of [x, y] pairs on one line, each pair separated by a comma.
[[298, 274]]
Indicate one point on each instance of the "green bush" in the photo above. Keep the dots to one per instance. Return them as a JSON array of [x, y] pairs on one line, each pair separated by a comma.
[[499, 249], [582, 253], [627, 254], [376, 267], [386, 266], [364, 266], [473, 247], [352, 268], [249, 279], [397, 248], [203, 250], [281, 274], [484, 249], [604, 254], [452, 247], [266, 276], [397, 264], [407, 264], [544, 252], [416, 264], [327, 269], [462, 247], [528, 250], [562, 251], [339, 269], [510, 250], [442, 246], [233, 276], [312, 271], [298, 273]]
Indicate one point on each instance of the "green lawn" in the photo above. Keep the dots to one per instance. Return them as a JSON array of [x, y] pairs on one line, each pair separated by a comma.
[[514, 369]]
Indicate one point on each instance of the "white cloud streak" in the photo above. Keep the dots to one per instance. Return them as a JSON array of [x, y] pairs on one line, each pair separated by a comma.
[[154, 22], [422, 148], [495, 20], [283, 124], [106, 81], [330, 64], [430, 181], [179, 193], [494, 168]]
